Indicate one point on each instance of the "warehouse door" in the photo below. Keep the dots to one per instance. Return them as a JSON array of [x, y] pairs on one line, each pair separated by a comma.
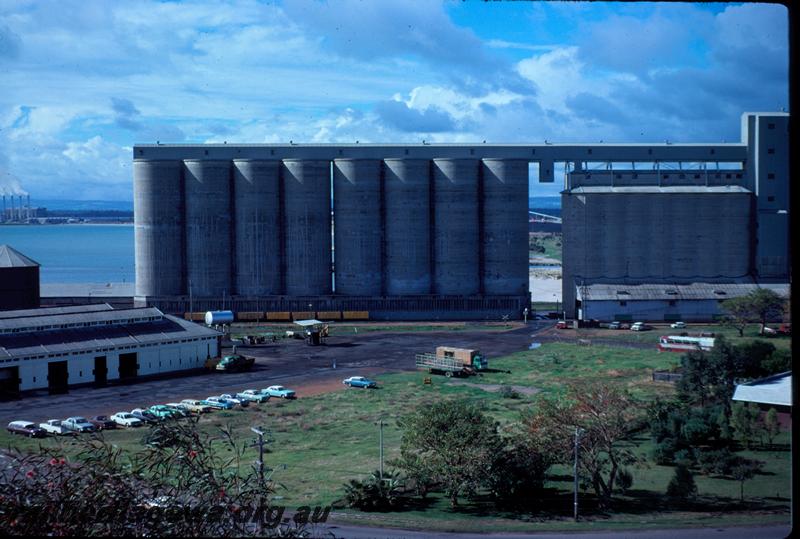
[[57, 377], [9, 383], [128, 368], [100, 371]]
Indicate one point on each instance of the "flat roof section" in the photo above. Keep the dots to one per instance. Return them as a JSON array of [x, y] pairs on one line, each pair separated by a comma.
[[668, 291], [35, 323], [776, 389]]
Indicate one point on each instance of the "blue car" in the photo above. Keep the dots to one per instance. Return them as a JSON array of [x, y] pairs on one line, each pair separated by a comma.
[[217, 402], [359, 381]]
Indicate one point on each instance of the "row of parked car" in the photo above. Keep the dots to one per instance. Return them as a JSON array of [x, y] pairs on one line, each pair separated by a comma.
[[154, 414]]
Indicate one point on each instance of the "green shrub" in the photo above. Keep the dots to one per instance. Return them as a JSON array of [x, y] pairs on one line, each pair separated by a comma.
[[508, 392], [682, 485], [375, 493], [624, 480]]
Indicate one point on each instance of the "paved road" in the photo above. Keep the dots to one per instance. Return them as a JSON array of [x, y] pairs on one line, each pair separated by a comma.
[[755, 532]]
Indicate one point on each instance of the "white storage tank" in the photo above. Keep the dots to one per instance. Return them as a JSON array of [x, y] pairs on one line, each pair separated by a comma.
[[216, 318]]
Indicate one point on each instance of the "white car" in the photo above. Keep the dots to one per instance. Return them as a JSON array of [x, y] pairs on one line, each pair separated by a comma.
[[194, 405], [639, 326], [54, 426], [238, 401], [254, 395], [678, 325], [126, 419], [78, 424]]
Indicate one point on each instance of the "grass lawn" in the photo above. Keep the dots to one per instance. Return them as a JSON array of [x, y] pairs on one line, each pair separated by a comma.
[[551, 244], [652, 336], [328, 439]]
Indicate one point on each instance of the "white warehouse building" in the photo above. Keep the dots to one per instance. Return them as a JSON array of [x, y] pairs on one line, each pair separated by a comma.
[[58, 347]]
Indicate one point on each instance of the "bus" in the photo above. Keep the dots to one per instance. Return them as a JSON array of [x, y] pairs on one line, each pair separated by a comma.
[[679, 343]]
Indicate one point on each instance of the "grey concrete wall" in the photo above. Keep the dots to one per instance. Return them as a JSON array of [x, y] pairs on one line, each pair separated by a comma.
[[257, 212], [653, 311], [456, 229], [209, 257], [158, 216], [307, 227], [407, 233], [504, 238], [654, 237], [357, 227]]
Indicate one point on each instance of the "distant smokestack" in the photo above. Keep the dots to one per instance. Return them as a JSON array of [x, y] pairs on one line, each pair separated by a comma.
[[3, 215], [29, 207]]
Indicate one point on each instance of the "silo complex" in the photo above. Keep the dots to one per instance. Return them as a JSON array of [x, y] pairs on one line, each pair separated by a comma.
[[159, 227], [307, 227], [456, 227], [357, 226], [208, 227], [256, 188], [407, 235], [440, 231], [504, 242]]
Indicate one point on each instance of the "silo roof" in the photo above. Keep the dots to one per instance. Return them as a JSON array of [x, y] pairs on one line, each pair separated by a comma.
[[11, 258]]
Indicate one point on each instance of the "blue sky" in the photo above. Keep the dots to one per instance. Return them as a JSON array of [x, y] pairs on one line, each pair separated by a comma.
[[82, 81]]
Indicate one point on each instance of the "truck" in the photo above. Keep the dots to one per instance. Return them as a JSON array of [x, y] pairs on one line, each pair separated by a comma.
[[235, 363], [452, 361]]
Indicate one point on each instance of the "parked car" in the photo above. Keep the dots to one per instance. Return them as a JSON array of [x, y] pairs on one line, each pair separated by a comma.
[[194, 405], [78, 424], [179, 409], [614, 325], [237, 401], [26, 428], [102, 422], [216, 402], [562, 324], [280, 391], [639, 326], [359, 381], [145, 415], [54, 426], [678, 325], [785, 329], [254, 395], [163, 412], [126, 419]]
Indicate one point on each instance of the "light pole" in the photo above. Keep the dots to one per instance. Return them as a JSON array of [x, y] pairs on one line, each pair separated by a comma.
[[261, 482], [380, 445], [578, 432]]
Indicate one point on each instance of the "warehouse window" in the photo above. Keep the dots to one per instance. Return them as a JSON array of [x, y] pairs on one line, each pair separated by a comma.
[[770, 176], [672, 303], [770, 126], [770, 199], [770, 150], [623, 303]]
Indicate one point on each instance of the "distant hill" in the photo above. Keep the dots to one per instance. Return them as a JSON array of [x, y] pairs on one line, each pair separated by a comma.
[[83, 205], [544, 203]]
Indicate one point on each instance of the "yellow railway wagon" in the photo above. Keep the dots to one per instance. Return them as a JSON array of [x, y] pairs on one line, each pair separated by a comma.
[[355, 315], [279, 315], [249, 316], [195, 317], [302, 315], [329, 315]]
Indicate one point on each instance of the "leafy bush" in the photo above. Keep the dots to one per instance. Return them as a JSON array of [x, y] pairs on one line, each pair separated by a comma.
[[516, 476], [624, 480], [508, 392], [375, 493], [664, 451], [682, 485]]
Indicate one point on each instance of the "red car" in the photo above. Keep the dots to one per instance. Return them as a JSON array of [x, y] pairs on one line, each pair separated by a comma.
[[26, 428], [102, 422], [562, 324]]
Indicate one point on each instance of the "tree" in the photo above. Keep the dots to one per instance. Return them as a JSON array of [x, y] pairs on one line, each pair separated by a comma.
[[744, 420], [739, 313], [605, 415], [767, 305], [455, 441], [682, 485], [378, 492], [743, 471], [771, 425]]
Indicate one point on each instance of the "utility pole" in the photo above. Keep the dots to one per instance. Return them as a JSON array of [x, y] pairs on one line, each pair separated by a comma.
[[575, 473], [380, 445], [261, 481]]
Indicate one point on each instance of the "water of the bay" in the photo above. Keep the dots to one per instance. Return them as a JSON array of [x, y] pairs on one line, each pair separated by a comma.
[[75, 253]]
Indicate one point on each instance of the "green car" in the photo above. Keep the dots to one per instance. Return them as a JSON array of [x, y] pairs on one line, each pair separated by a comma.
[[162, 411]]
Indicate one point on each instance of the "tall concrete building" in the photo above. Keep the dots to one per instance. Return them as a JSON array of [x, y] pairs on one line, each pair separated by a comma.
[[439, 231]]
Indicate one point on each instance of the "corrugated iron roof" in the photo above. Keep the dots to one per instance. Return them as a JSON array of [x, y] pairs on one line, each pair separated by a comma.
[[11, 258], [47, 311], [168, 328], [694, 189], [669, 291], [32, 323], [776, 389]]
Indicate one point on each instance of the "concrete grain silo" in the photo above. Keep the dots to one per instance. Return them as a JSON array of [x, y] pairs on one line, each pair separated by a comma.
[[504, 243], [456, 228], [209, 256], [407, 236], [357, 226], [307, 227], [158, 210], [257, 216]]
